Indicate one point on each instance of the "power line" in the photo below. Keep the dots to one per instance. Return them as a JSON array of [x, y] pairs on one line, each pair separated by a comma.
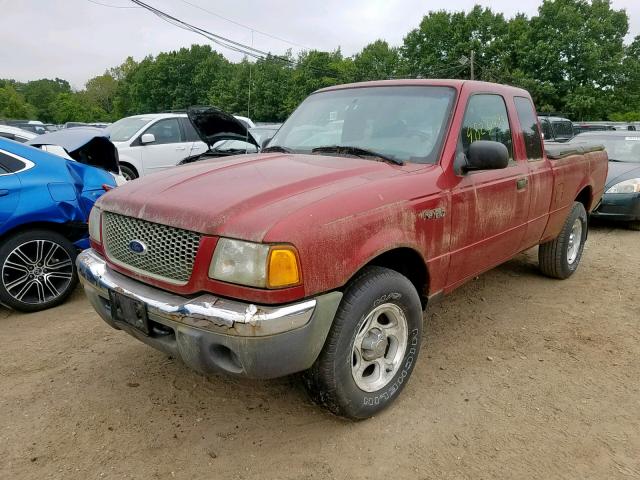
[[110, 6], [246, 26], [220, 40]]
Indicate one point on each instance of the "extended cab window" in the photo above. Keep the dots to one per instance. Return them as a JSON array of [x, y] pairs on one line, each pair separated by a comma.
[[166, 131], [529, 125], [486, 118]]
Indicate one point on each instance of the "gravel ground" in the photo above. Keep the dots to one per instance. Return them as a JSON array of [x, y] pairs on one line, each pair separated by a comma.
[[520, 377]]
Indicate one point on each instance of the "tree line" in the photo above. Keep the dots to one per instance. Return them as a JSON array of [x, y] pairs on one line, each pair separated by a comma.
[[572, 57]]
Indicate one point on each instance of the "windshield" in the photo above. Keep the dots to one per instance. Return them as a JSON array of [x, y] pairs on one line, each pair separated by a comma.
[[404, 123], [124, 129], [620, 148]]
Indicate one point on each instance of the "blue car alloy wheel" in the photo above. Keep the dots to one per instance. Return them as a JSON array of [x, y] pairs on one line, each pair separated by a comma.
[[37, 270]]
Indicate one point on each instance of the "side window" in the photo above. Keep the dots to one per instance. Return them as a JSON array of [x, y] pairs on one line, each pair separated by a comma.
[[190, 131], [529, 125], [10, 164], [486, 119], [546, 129], [166, 131]]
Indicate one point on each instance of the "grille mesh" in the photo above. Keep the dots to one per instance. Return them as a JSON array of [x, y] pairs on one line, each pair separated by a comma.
[[170, 252]]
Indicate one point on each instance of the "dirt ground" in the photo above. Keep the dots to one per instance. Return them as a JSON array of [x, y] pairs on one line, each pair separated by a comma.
[[520, 377]]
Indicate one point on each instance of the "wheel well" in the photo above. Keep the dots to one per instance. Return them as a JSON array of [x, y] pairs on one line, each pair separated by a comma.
[[69, 230], [584, 197], [409, 263]]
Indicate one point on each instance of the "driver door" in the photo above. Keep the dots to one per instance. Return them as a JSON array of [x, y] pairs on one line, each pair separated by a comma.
[[169, 147], [489, 208]]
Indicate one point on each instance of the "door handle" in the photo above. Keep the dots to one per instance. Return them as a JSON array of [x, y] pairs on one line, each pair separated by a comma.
[[4, 193], [521, 183], [181, 148]]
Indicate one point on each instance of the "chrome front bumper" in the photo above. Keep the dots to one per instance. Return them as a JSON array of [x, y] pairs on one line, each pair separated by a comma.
[[213, 333]]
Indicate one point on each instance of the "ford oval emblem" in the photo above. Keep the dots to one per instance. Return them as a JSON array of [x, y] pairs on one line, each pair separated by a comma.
[[136, 246]]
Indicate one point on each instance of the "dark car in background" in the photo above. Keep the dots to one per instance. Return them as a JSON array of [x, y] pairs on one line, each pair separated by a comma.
[[556, 129], [621, 200]]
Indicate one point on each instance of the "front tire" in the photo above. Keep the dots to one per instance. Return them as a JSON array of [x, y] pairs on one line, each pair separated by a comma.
[[37, 270], [560, 257], [129, 173], [372, 347]]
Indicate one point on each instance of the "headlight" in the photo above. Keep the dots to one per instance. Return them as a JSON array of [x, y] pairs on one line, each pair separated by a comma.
[[628, 186], [95, 219], [255, 264]]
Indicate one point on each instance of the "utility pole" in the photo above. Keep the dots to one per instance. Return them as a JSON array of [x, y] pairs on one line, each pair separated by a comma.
[[473, 57]]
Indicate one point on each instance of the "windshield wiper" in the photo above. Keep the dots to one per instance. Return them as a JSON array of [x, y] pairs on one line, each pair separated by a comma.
[[276, 148], [616, 160], [360, 152]]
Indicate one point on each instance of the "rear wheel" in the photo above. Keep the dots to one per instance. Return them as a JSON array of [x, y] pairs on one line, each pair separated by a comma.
[[37, 270], [560, 257], [372, 347], [634, 226]]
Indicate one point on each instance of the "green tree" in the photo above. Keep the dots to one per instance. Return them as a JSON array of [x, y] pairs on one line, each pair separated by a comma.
[[101, 91], [76, 107], [13, 105], [438, 47], [578, 47], [376, 61], [42, 93]]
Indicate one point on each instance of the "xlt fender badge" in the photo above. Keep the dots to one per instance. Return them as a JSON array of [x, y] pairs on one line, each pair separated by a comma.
[[435, 213]]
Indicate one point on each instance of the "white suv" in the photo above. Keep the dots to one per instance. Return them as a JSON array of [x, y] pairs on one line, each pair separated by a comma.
[[149, 143]]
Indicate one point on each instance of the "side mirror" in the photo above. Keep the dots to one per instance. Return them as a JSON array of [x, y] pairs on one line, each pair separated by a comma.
[[487, 155], [147, 138], [265, 143]]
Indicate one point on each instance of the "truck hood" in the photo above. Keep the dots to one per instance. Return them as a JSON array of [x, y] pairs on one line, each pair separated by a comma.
[[213, 125], [243, 196]]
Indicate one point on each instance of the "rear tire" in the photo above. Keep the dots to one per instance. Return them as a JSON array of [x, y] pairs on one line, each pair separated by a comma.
[[37, 270], [560, 257], [372, 347], [129, 173], [634, 226]]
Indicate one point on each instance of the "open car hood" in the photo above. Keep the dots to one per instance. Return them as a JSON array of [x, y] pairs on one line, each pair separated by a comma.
[[86, 145], [213, 125]]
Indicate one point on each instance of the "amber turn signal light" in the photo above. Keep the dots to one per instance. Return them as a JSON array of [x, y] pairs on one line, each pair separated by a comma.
[[283, 270]]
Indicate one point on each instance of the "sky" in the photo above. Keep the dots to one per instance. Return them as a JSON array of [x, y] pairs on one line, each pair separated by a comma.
[[79, 39]]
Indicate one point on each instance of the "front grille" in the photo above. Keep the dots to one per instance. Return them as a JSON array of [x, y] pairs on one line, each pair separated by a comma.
[[170, 252]]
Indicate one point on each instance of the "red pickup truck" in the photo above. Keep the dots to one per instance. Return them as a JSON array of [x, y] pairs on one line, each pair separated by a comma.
[[320, 253]]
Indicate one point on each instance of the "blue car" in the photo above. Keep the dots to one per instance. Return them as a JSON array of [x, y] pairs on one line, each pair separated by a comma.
[[45, 202]]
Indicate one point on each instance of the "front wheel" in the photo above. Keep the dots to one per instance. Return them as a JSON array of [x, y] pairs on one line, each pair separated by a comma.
[[560, 257], [372, 347], [37, 270], [129, 173]]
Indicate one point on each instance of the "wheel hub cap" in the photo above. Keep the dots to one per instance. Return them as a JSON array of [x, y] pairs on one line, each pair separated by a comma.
[[374, 344], [379, 347], [575, 241]]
